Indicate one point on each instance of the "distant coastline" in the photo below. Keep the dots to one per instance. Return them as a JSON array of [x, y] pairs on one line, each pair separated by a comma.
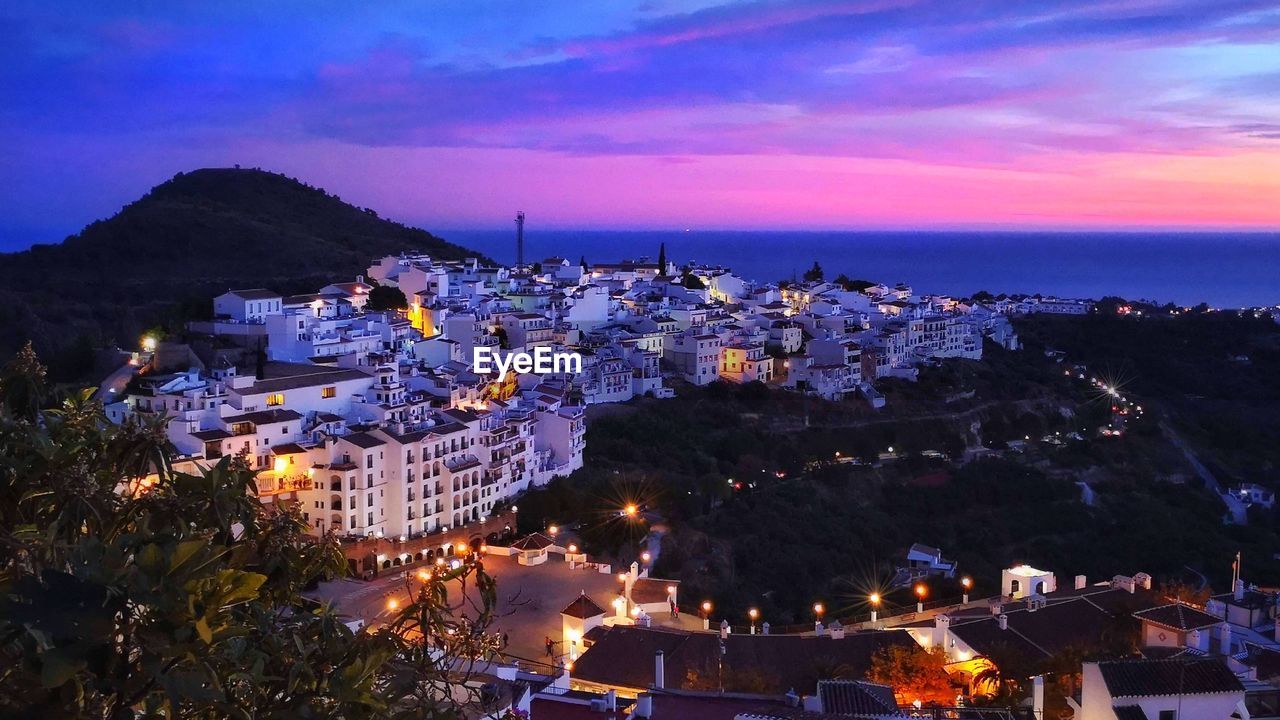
[[1223, 269]]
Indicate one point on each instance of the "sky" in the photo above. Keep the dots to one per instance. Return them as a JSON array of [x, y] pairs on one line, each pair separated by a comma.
[[657, 114]]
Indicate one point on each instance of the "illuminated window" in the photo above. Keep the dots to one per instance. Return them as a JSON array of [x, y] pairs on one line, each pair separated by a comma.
[[275, 399], [328, 392]]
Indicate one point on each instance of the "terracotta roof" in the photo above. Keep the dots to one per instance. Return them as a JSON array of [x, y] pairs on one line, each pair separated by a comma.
[[856, 697], [264, 417], [1147, 678], [536, 541], [215, 434], [287, 449], [254, 294], [363, 440], [1178, 617], [624, 656], [583, 607]]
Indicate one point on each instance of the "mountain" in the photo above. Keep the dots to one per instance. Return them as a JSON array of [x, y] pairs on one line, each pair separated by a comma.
[[160, 260]]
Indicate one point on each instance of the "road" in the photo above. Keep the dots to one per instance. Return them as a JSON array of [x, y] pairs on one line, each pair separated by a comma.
[[1238, 510]]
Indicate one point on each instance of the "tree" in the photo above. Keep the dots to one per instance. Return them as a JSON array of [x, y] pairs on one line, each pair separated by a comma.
[[582, 262], [693, 282], [386, 297], [913, 674], [662, 258], [180, 594], [1005, 670], [814, 274]]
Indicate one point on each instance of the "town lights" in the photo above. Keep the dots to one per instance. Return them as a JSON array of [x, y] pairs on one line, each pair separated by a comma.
[[645, 557], [461, 547], [671, 589], [622, 577], [280, 465], [553, 530], [631, 510], [148, 343], [573, 549], [423, 575], [392, 604]]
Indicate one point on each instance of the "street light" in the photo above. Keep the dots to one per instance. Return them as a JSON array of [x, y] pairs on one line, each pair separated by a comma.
[[645, 557], [706, 614], [631, 510], [423, 575], [753, 614], [875, 606], [966, 582], [392, 604], [921, 591], [553, 530], [818, 609], [149, 344]]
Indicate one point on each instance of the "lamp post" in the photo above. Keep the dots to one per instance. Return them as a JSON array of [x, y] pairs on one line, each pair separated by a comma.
[[706, 614], [818, 609], [753, 614], [875, 607], [921, 591], [966, 582]]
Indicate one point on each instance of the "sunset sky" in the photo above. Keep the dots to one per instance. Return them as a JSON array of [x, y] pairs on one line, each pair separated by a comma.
[[657, 113]]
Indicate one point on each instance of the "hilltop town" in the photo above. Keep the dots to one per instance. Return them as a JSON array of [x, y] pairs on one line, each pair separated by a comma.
[[360, 405], [338, 393]]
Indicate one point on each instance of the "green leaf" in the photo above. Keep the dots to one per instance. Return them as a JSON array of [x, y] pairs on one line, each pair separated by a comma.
[[57, 667], [184, 552]]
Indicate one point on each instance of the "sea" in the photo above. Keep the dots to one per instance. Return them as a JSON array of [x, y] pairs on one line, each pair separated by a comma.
[[1225, 270]]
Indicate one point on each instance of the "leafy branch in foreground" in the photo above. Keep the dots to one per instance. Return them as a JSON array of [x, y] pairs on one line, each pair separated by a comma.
[[129, 589]]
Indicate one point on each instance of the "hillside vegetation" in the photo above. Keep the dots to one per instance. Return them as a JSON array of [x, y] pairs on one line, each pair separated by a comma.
[[161, 258]]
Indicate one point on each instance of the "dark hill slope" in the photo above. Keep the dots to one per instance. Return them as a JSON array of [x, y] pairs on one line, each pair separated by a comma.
[[161, 258]]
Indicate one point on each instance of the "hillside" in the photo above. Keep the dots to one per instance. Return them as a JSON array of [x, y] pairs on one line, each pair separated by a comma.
[[161, 258]]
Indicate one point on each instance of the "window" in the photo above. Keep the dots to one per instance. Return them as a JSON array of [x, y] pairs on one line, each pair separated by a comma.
[[275, 399], [330, 391], [1168, 715]]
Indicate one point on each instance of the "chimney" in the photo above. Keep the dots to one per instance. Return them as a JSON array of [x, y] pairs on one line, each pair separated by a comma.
[[837, 630], [643, 707], [659, 670], [1238, 594], [1081, 582], [1037, 697], [1193, 639], [1003, 620], [1224, 638], [611, 700], [1142, 580]]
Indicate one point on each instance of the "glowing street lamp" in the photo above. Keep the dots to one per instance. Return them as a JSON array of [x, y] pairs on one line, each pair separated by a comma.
[[573, 549], [645, 557], [148, 344], [631, 510], [875, 606], [966, 582], [753, 614], [818, 609], [393, 604], [423, 575], [921, 591], [553, 530]]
